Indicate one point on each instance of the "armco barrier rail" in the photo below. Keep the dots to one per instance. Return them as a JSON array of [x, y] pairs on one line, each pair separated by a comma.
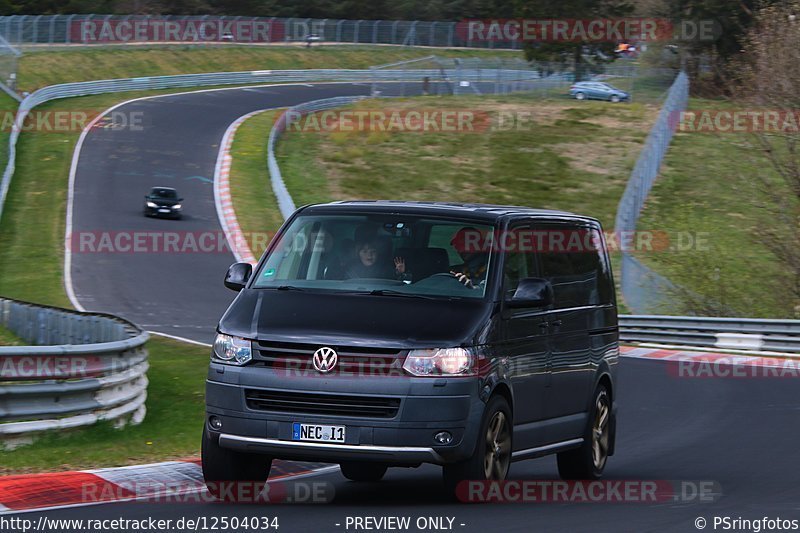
[[78, 368], [285, 202], [752, 334]]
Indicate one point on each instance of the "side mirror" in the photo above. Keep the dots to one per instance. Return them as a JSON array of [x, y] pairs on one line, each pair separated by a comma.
[[180, 199], [532, 292], [237, 276]]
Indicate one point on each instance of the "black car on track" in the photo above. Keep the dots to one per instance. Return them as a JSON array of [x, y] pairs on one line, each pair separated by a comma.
[[163, 202]]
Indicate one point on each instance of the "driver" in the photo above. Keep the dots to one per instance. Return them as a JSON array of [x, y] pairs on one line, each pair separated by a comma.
[[470, 243]]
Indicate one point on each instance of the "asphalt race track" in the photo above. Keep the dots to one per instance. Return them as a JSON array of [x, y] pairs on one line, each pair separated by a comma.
[[176, 293], [174, 143], [742, 435]]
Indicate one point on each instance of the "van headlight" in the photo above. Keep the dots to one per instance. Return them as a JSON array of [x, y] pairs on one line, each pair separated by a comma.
[[440, 362], [232, 350], [151, 204]]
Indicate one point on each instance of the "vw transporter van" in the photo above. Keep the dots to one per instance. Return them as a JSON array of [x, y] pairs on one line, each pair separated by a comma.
[[390, 334]]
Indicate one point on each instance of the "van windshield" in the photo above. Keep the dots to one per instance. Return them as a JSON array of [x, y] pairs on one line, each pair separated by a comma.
[[394, 254]]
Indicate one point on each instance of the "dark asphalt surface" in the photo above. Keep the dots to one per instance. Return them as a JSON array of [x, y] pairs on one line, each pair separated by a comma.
[[742, 434], [161, 290]]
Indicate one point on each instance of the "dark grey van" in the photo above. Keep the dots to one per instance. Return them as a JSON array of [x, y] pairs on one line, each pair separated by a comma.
[[382, 334]]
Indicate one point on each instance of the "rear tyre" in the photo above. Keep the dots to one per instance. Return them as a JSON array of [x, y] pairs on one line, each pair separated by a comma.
[[228, 473], [363, 472], [588, 461], [492, 455], [580, 96]]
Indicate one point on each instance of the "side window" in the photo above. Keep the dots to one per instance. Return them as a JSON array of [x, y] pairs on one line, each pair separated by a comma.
[[440, 237], [519, 259], [573, 261]]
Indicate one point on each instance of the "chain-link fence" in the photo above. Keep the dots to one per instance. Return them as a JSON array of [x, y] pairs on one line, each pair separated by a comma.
[[497, 75], [9, 57], [645, 291], [109, 29]]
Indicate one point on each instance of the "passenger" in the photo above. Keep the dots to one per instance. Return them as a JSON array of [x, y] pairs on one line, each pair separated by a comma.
[[470, 243], [368, 263]]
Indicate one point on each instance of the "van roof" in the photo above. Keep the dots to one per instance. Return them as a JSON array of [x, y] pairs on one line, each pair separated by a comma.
[[487, 212]]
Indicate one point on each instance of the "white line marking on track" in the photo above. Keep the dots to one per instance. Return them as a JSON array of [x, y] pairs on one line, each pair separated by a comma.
[[222, 197], [177, 338], [76, 154]]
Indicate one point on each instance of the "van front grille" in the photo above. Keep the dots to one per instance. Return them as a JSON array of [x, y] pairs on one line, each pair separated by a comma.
[[322, 404], [353, 361]]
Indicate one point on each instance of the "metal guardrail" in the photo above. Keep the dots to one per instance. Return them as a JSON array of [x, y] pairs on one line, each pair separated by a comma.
[[78, 368], [752, 334], [285, 202]]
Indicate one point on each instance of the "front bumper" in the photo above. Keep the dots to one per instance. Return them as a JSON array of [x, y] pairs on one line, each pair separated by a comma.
[[332, 452], [155, 211], [427, 407]]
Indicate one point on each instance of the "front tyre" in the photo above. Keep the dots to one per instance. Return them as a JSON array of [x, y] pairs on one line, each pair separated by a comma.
[[363, 472], [588, 461], [492, 455], [615, 98], [230, 475]]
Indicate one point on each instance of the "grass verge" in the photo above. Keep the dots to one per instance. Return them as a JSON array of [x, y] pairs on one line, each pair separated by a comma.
[[253, 200], [40, 68], [31, 267], [7, 338], [574, 156], [708, 196], [569, 155]]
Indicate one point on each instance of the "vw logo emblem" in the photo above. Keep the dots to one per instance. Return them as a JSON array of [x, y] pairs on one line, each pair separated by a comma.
[[325, 359]]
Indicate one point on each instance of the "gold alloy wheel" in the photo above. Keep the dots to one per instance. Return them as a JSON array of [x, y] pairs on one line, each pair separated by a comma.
[[600, 432], [498, 447]]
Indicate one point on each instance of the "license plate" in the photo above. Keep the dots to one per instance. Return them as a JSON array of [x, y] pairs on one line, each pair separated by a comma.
[[317, 432], [163, 210]]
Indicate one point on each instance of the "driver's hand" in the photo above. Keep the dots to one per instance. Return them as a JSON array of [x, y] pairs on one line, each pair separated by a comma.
[[463, 278], [399, 265]]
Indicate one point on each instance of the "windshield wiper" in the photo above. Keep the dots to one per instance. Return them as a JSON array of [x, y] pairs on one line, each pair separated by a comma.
[[289, 288], [391, 292]]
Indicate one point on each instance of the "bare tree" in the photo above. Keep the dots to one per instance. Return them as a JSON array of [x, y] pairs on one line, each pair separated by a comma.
[[769, 79]]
